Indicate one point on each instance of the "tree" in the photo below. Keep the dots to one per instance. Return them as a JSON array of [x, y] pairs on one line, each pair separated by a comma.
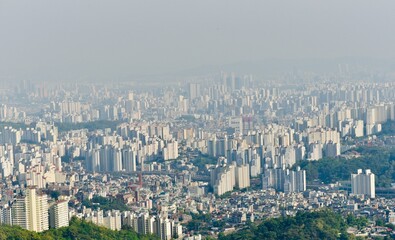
[[78, 229], [55, 194], [323, 224]]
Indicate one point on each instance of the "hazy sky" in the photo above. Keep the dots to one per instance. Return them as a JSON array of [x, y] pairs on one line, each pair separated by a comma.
[[96, 38]]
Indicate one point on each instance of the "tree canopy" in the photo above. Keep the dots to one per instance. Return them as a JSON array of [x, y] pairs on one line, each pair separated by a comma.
[[323, 224], [329, 170], [105, 204], [78, 229]]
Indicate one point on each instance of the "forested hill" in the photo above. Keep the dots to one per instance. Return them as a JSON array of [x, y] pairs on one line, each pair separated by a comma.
[[381, 160], [323, 224], [78, 229]]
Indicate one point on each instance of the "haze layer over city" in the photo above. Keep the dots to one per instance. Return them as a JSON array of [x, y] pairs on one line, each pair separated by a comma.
[[197, 120]]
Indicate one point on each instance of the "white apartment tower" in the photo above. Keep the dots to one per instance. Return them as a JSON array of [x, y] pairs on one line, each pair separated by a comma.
[[171, 150], [223, 178], [59, 214], [193, 90], [145, 224], [31, 211], [18, 212], [117, 157], [112, 220], [129, 159], [162, 228], [363, 183], [37, 210], [282, 179], [243, 176]]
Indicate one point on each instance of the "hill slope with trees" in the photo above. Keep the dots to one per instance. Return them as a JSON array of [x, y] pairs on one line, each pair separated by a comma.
[[323, 224], [329, 170], [78, 229]]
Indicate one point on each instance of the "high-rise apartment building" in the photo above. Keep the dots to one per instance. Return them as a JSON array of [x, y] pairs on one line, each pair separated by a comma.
[[363, 183], [129, 159], [31, 211], [145, 223], [223, 178], [285, 180], [59, 214], [193, 90], [243, 176], [162, 228], [171, 150]]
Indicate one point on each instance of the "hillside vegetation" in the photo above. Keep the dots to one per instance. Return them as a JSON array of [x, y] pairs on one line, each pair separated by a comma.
[[78, 229], [323, 224], [329, 170]]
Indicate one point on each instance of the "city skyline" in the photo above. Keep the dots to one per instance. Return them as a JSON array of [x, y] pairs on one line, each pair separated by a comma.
[[197, 120], [124, 40]]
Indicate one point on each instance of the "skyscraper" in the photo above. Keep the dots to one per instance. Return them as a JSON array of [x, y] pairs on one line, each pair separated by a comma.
[[193, 90], [59, 214], [31, 211], [129, 159], [283, 179], [117, 158], [18, 212], [37, 210], [162, 228], [363, 183], [223, 178], [243, 176], [146, 224]]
